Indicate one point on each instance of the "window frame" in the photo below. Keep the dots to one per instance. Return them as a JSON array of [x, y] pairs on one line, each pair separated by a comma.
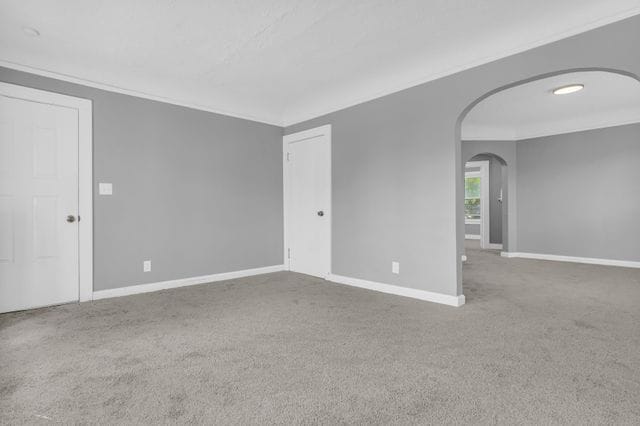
[[474, 174], [485, 219]]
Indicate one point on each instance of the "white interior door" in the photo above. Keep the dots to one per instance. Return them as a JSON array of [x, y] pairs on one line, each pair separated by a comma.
[[38, 191], [308, 201]]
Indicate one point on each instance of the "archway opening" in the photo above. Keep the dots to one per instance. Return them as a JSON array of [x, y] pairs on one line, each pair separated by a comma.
[[542, 144], [485, 203]]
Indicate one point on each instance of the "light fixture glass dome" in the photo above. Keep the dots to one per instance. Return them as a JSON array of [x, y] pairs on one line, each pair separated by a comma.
[[565, 90]]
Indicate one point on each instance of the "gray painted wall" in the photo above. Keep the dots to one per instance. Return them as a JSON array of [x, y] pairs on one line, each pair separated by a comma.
[[397, 175], [578, 194], [197, 193], [397, 163]]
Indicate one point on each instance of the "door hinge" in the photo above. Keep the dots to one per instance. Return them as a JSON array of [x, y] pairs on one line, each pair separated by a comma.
[[288, 156], [288, 253]]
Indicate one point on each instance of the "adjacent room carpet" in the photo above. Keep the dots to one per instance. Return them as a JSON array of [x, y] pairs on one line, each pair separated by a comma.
[[537, 342]]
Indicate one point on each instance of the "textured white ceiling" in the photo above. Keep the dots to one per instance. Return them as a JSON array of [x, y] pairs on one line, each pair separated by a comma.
[[532, 110], [281, 61]]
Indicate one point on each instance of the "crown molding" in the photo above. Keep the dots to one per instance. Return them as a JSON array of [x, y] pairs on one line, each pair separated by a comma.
[[602, 125], [303, 114], [397, 85], [534, 134], [135, 93]]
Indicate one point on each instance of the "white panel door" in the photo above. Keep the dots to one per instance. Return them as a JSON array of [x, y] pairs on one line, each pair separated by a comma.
[[38, 191], [308, 214]]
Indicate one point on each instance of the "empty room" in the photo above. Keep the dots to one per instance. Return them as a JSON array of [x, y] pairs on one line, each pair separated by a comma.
[[319, 212]]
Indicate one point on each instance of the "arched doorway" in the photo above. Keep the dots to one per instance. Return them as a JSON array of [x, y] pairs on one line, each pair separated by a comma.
[[490, 139], [486, 199]]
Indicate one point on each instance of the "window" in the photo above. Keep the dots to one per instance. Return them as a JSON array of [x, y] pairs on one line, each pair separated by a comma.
[[472, 198]]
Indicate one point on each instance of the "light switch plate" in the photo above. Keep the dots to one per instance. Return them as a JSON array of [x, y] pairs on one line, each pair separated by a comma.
[[395, 267], [105, 189], [146, 266]]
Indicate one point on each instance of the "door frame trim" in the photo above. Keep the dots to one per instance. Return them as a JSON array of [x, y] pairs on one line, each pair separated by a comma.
[[298, 137], [485, 200], [85, 173]]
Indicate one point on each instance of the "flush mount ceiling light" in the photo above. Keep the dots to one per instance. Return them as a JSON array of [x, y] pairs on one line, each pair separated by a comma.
[[565, 90], [31, 32]]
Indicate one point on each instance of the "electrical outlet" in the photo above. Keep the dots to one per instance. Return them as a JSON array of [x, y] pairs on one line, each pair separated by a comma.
[[146, 266], [395, 267]]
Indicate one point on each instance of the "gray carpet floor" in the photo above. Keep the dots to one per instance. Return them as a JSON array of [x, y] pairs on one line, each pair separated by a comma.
[[537, 343]]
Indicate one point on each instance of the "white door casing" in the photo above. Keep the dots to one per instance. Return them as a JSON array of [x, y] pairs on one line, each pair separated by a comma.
[[45, 176], [307, 201], [485, 224]]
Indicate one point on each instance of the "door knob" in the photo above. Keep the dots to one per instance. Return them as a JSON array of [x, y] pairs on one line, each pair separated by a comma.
[[320, 213], [71, 218]]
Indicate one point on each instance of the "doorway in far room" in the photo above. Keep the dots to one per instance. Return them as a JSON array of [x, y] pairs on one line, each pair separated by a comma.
[[484, 206]]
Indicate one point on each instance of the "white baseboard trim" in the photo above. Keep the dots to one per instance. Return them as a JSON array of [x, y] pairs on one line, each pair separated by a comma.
[[183, 282], [574, 259], [429, 296], [471, 237], [494, 246]]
